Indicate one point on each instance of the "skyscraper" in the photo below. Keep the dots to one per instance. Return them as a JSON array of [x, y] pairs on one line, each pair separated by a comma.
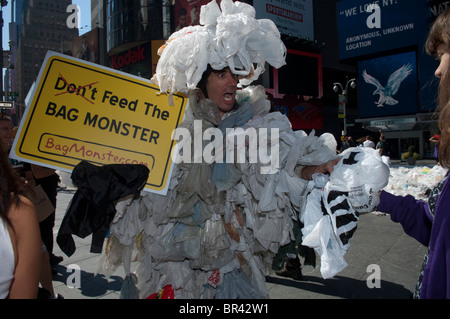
[[43, 27]]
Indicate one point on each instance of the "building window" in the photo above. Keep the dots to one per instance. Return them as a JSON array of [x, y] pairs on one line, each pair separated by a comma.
[[133, 21]]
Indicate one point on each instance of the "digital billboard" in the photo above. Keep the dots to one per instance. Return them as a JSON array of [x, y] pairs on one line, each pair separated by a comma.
[[367, 27], [294, 17], [291, 17], [388, 85]]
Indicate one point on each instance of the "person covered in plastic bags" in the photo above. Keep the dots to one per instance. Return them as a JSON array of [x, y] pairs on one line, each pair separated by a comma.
[[429, 222], [216, 232]]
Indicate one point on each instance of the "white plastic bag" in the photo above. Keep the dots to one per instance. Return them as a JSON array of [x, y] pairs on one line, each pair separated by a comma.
[[324, 242], [236, 285], [362, 173], [331, 214], [229, 38], [321, 230]]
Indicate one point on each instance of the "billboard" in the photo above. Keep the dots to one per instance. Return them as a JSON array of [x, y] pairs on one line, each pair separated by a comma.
[[293, 17], [367, 27], [298, 89], [187, 12], [79, 111], [388, 85], [86, 46], [306, 69]]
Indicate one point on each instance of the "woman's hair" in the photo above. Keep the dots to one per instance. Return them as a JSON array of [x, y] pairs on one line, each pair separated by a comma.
[[10, 186], [440, 36]]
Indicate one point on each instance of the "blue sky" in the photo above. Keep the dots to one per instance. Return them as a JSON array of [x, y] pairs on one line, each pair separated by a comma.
[[85, 9]]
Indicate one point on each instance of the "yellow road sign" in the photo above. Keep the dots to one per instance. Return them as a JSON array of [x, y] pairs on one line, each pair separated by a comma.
[[83, 111]]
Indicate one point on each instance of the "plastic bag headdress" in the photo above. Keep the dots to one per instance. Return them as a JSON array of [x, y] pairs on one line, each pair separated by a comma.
[[230, 37]]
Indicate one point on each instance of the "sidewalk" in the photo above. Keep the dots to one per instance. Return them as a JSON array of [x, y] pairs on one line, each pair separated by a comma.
[[377, 241]]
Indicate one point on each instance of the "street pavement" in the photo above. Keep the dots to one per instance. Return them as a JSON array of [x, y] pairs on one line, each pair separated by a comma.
[[380, 255]]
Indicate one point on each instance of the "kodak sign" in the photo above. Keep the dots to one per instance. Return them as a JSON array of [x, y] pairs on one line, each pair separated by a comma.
[[131, 56]]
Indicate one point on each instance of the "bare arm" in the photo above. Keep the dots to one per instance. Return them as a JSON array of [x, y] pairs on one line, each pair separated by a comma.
[[28, 251], [434, 140], [326, 168]]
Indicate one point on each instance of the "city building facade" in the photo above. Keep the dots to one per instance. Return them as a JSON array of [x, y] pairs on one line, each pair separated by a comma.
[[331, 44], [42, 26], [396, 87]]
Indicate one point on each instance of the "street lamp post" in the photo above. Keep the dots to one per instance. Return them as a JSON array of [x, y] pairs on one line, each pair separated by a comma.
[[336, 87]]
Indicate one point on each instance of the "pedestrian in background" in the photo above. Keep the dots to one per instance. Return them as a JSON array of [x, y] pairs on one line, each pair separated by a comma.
[[368, 142], [6, 132], [345, 144], [429, 223], [435, 140], [382, 145], [351, 142]]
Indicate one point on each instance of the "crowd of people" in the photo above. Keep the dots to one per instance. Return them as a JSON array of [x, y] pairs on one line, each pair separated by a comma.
[[233, 223], [386, 149]]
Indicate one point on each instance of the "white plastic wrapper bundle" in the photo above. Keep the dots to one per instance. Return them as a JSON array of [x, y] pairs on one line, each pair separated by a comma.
[[319, 234], [331, 214], [362, 173], [229, 38], [183, 60]]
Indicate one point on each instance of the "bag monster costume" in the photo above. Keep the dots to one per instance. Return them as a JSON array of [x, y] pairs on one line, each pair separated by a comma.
[[215, 233]]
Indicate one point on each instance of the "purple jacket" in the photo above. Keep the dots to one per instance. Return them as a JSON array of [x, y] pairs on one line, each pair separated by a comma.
[[416, 219]]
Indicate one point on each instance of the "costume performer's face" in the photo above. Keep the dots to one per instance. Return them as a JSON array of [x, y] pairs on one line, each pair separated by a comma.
[[221, 87]]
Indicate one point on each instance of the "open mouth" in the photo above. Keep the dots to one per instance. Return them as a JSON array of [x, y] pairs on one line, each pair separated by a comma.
[[228, 97]]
